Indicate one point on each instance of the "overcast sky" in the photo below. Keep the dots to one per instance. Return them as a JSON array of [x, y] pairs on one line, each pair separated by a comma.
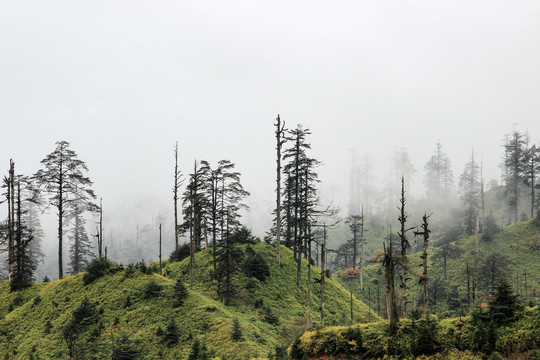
[[122, 81]]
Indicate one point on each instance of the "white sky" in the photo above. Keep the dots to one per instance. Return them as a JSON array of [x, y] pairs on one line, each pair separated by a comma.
[[123, 80]]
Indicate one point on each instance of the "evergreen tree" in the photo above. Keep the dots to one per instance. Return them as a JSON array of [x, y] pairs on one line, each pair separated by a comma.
[[23, 267], [171, 334], [531, 171], [504, 305], [180, 293], [514, 151], [229, 259], [400, 166], [63, 180], [194, 204], [31, 218], [300, 197], [469, 186], [438, 176], [236, 334], [125, 349], [81, 248]]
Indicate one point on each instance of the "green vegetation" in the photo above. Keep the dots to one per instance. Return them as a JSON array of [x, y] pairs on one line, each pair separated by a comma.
[[465, 338], [120, 311], [510, 254]]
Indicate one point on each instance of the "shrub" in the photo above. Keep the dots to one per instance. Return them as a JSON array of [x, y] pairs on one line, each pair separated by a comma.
[[180, 293], [256, 266], [171, 334], [96, 269], [48, 327], [141, 265], [127, 303], [125, 349], [269, 316], [151, 289], [180, 253]]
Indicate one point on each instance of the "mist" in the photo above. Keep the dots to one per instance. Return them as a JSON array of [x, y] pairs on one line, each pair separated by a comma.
[[123, 81]]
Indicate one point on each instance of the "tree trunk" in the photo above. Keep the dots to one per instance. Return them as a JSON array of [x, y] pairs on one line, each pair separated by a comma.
[[309, 280], [279, 134], [323, 275], [60, 219], [11, 218], [476, 229], [159, 249], [361, 265], [391, 307], [176, 185]]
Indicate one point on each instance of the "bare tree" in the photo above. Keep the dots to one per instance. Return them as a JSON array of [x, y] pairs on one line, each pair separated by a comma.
[[403, 215], [177, 183], [424, 277], [280, 140]]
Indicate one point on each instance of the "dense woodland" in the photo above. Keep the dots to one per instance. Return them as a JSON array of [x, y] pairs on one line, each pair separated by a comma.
[[407, 267]]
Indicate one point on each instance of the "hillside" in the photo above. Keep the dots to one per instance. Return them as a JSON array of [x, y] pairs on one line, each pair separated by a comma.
[[33, 320], [512, 254]]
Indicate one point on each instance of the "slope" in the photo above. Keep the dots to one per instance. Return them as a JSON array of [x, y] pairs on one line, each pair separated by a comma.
[[33, 320], [512, 253]]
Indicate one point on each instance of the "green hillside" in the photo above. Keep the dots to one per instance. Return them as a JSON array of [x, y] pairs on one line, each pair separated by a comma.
[[512, 254], [121, 304]]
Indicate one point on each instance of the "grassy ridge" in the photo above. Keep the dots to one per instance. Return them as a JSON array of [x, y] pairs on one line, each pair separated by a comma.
[[33, 319]]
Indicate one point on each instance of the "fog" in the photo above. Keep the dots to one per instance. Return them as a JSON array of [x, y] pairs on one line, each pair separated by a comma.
[[123, 81]]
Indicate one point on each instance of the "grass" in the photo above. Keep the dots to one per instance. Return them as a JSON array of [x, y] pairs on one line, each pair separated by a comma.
[[33, 328]]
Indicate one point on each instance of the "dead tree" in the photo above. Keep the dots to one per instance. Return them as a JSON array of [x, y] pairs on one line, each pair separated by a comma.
[[403, 215], [280, 140], [9, 183], [177, 183], [424, 277], [159, 249], [389, 263]]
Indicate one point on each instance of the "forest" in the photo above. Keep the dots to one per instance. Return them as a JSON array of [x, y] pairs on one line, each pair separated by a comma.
[[451, 274]]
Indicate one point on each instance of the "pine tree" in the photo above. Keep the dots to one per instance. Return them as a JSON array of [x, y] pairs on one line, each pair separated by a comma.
[[63, 179], [23, 267], [80, 251], [300, 197], [193, 201], [531, 171], [469, 186], [229, 259], [180, 293], [171, 334], [125, 349], [236, 334], [513, 164], [438, 176]]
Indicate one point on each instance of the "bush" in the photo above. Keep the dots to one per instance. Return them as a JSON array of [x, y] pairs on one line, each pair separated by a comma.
[[125, 349], [96, 269], [141, 265], [48, 327], [256, 266], [269, 316], [171, 334], [151, 289], [180, 253]]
